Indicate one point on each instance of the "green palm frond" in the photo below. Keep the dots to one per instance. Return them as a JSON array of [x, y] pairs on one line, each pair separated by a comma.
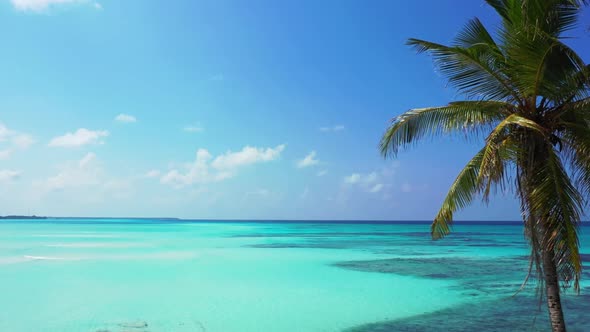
[[551, 16], [474, 71], [528, 94], [521, 121], [576, 87], [505, 9], [544, 66], [486, 169], [576, 138], [475, 34], [460, 195], [501, 149], [558, 205], [413, 125]]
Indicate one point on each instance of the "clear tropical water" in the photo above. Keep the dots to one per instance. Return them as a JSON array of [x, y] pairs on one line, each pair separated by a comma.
[[150, 275]]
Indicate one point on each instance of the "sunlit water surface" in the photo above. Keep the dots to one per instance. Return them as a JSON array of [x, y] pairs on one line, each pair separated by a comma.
[[121, 275]]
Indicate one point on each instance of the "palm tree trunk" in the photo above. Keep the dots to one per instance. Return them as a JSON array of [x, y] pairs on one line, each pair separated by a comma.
[[552, 291]]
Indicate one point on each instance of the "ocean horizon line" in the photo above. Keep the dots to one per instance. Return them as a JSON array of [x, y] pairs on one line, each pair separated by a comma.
[[172, 220]]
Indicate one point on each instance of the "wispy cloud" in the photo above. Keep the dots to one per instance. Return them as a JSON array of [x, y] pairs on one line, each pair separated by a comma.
[[8, 175], [4, 132], [376, 188], [207, 169], [332, 129], [308, 160], [43, 5], [196, 128], [305, 193], [154, 173], [5, 154], [12, 140], [79, 138], [248, 155], [85, 175], [353, 178], [370, 182], [196, 172], [22, 141], [322, 172], [125, 118], [83, 172]]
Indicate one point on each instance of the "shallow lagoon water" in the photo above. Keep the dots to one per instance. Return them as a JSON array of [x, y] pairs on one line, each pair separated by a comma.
[[150, 275]]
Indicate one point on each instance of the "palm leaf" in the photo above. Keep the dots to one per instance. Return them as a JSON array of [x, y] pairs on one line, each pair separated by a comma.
[[543, 66], [551, 16], [460, 195], [475, 34], [557, 204], [474, 71], [413, 125]]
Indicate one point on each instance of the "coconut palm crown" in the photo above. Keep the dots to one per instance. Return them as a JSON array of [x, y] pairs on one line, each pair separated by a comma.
[[527, 94]]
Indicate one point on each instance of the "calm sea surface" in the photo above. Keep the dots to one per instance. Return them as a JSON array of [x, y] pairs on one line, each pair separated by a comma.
[[121, 275]]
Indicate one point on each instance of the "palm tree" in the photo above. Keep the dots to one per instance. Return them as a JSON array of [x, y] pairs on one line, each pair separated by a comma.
[[526, 93]]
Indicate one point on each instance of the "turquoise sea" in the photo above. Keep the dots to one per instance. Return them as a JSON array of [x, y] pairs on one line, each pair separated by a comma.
[[121, 275]]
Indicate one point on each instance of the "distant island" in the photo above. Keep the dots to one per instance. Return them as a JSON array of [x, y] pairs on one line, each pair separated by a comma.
[[22, 217]]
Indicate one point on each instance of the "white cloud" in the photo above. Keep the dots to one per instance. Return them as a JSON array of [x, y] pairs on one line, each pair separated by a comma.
[[125, 118], [308, 160], [4, 132], [248, 155], [81, 137], [207, 169], [376, 188], [9, 175], [197, 128], [22, 141], [370, 182], [12, 141], [371, 177], [98, 6], [86, 180], [332, 129], [5, 154], [84, 172], [305, 193], [353, 178], [43, 5], [322, 172], [197, 172], [88, 158], [154, 173], [116, 185]]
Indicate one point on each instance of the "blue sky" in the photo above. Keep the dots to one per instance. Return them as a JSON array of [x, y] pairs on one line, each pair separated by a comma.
[[226, 109]]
